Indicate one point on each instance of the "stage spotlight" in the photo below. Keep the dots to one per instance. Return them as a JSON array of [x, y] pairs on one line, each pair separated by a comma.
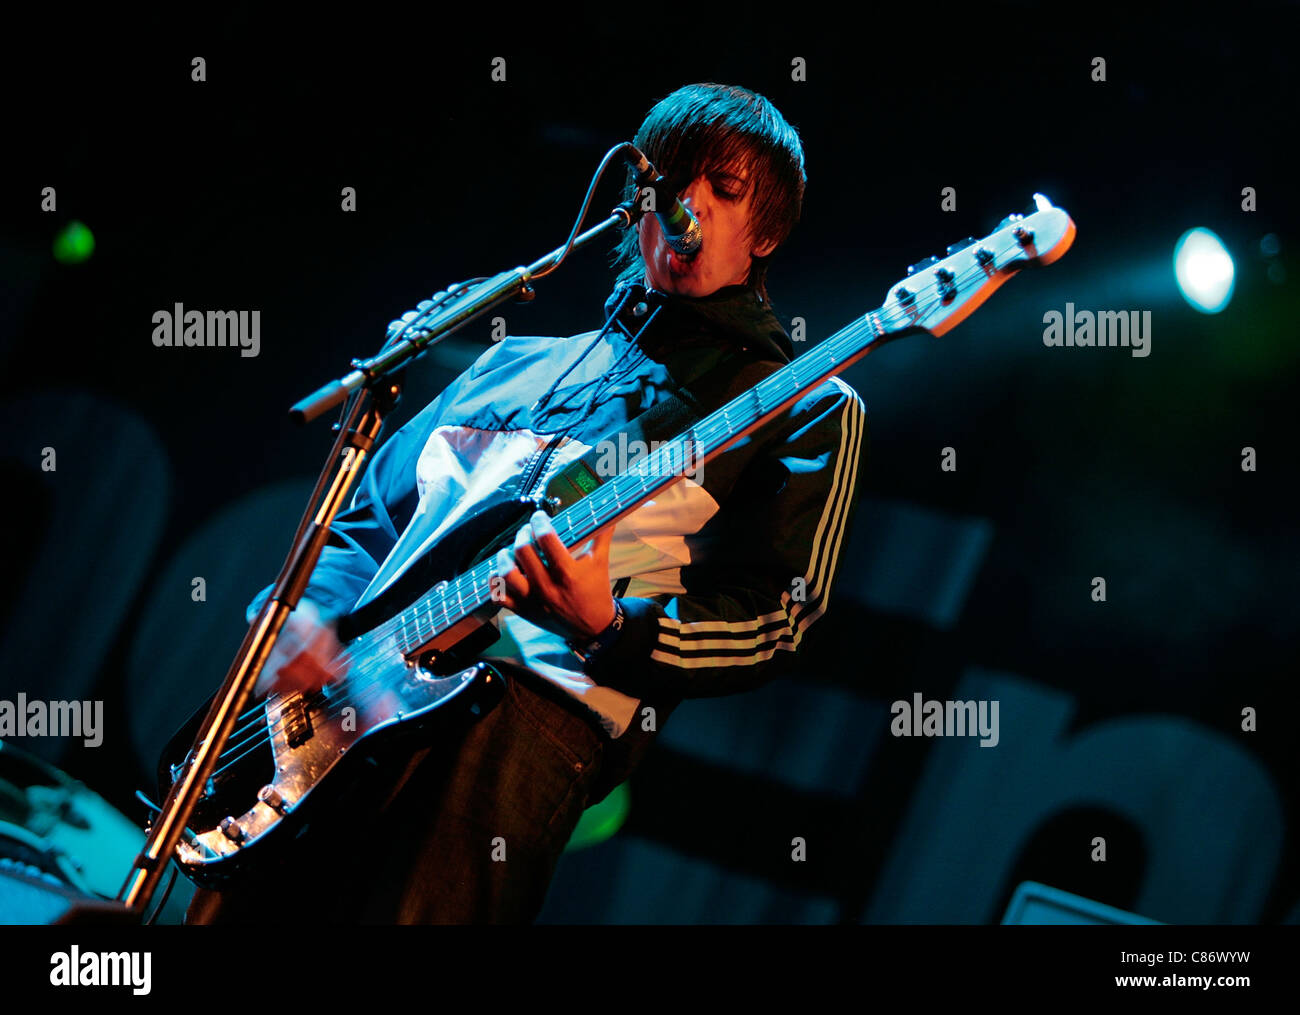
[[74, 244], [1204, 270]]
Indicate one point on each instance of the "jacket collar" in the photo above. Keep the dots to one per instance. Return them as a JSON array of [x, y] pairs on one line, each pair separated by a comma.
[[734, 315]]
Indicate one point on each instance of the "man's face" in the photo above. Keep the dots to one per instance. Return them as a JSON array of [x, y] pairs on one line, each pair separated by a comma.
[[723, 258]]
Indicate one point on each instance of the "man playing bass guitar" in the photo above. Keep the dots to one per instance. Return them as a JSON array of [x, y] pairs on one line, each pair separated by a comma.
[[706, 589]]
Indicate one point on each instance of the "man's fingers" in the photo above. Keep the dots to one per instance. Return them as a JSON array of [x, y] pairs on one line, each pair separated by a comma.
[[265, 683], [307, 654], [338, 663], [514, 586], [529, 561], [324, 644], [302, 673], [291, 640], [600, 545], [597, 548], [557, 554]]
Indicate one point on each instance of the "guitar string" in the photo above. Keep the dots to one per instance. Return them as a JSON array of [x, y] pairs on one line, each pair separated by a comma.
[[364, 668], [358, 673]]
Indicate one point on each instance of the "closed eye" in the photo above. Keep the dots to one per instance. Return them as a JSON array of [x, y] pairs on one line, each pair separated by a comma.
[[727, 186]]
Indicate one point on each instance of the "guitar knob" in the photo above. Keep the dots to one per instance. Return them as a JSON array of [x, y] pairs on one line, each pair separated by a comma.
[[1023, 236], [983, 257], [905, 296], [270, 796]]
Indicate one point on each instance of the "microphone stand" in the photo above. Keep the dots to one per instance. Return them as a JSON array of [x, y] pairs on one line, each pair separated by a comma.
[[379, 386]]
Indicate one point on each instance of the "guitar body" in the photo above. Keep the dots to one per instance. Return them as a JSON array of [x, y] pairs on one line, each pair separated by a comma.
[[294, 753]]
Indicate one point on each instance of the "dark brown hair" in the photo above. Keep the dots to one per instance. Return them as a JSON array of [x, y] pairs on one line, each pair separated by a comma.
[[707, 128]]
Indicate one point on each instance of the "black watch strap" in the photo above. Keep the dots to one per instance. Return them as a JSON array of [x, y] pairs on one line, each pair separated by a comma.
[[589, 649]]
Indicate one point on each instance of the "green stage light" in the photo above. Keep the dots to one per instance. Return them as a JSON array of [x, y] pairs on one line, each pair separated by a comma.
[[602, 820], [74, 243]]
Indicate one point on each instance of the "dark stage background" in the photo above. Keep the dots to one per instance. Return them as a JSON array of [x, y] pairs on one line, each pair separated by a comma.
[[1120, 719]]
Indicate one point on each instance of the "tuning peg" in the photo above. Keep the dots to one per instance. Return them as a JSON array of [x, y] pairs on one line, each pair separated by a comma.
[[912, 269], [960, 245], [947, 284]]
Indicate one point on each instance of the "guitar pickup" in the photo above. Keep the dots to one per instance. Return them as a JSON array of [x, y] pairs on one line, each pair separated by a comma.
[[295, 721]]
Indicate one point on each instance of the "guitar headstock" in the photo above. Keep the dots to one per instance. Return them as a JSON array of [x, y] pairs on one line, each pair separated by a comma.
[[939, 294]]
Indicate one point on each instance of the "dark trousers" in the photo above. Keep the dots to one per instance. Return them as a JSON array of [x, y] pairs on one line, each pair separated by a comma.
[[468, 830]]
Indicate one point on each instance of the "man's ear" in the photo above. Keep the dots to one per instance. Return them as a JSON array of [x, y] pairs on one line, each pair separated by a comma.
[[763, 249]]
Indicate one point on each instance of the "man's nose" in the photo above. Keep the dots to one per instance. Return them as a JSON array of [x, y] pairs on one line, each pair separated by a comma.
[[693, 198]]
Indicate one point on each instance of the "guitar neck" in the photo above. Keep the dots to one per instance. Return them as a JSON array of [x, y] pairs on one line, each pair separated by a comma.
[[445, 606]]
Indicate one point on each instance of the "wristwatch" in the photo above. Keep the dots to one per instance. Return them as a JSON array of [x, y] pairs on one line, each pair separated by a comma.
[[588, 650]]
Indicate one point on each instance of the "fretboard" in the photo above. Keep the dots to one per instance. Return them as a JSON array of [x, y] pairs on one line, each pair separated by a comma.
[[447, 605]]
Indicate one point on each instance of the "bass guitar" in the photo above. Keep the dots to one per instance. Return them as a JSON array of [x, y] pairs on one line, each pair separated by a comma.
[[291, 750]]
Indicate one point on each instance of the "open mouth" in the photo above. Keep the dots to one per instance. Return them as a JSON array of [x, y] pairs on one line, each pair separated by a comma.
[[681, 263]]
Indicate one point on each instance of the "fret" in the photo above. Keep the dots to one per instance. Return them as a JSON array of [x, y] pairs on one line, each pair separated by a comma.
[[403, 641]]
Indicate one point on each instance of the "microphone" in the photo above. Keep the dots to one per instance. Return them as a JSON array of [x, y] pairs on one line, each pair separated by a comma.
[[681, 229]]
